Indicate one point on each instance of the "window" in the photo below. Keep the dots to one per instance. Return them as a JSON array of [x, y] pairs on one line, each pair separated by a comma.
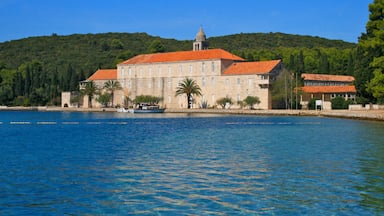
[[190, 70], [212, 81], [227, 82], [150, 72], [238, 81], [250, 81], [130, 71], [169, 83], [203, 81], [180, 70], [169, 71], [159, 71], [203, 68], [213, 67]]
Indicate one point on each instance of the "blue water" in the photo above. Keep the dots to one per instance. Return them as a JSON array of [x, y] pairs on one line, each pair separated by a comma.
[[63, 163]]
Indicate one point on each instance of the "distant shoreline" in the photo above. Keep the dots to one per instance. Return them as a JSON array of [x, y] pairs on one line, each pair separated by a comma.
[[376, 115]]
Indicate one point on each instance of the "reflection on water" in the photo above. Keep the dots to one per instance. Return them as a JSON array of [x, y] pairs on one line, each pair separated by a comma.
[[107, 163], [372, 169]]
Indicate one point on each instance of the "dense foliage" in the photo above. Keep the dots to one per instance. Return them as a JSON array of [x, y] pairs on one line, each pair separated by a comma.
[[371, 45], [34, 71]]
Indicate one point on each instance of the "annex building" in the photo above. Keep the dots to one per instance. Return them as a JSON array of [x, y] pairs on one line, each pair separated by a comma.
[[325, 87], [219, 74]]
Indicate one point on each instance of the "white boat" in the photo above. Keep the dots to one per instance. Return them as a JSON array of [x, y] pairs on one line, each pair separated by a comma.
[[124, 110], [149, 108]]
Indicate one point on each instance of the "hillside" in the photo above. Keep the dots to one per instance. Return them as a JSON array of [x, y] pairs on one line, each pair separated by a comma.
[[42, 67], [90, 51]]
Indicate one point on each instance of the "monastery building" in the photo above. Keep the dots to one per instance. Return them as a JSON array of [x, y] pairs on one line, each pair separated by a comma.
[[219, 74]]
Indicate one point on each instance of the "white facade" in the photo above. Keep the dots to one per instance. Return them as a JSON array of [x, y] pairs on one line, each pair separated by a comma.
[[162, 79]]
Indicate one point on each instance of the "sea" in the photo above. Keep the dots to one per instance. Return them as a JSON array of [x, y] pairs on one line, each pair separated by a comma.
[[105, 163]]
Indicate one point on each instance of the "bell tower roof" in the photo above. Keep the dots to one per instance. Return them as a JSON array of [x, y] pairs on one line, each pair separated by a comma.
[[200, 36], [200, 42]]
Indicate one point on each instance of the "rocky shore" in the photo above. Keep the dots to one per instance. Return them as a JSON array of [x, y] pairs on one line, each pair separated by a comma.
[[377, 115]]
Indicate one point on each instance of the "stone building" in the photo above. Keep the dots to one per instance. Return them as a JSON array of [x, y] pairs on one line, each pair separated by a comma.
[[324, 88], [100, 77], [219, 74]]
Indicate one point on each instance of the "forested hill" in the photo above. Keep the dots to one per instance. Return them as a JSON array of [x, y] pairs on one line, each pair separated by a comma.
[[45, 66], [274, 40], [90, 51]]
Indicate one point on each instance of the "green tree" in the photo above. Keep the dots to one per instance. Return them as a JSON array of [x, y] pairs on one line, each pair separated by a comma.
[[90, 89], [251, 100], [189, 87], [376, 86], [112, 86], [104, 99], [223, 101], [373, 42], [149, 99], [156, 47]]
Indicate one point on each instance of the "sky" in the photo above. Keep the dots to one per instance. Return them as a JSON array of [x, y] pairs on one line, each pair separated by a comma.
[[181, 19]]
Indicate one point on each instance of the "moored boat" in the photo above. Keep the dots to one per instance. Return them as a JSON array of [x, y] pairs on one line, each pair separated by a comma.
[[125, 110], [149, 108]]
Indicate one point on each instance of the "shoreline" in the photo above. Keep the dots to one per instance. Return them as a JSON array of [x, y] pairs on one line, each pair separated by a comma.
[[376, 115]]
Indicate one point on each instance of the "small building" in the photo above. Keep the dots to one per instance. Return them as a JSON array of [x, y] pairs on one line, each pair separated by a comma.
[[70, 99], [100, 77], [325, 87]]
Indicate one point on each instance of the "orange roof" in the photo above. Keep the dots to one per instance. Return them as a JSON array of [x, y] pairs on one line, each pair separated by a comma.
[[329, 89], [183, 56], [326, 77], [260, 67], [104, 74]]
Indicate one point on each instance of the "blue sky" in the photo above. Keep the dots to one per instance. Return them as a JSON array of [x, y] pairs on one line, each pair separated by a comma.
[[178, 19]]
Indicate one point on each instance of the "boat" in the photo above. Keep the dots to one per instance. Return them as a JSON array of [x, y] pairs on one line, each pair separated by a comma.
[[148, 108], [125, 110]]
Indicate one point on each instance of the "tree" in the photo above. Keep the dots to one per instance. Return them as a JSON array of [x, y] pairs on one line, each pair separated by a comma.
[[90, 89], [149, 99], [188, 87], [376, 86], [104, 99], [156, 47], [112, 86], [251, 100], [223, 101], [373, 43]]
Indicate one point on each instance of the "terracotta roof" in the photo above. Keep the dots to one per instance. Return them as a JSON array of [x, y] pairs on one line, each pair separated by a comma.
[[183, 56], [329, 89], [326, 77], [260, 67], [104, 74]]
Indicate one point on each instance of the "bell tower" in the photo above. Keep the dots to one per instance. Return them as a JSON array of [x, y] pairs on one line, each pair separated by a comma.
[[200, 42]]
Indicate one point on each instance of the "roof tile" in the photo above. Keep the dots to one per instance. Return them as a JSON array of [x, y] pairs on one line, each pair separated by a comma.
[[329, 89], [183, 56], [104, 74], [243, 68], [326, 77]]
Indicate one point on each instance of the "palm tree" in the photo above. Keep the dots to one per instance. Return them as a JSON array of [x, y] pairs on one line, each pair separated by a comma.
[[90, 89], [189, 87], [112, 86]]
